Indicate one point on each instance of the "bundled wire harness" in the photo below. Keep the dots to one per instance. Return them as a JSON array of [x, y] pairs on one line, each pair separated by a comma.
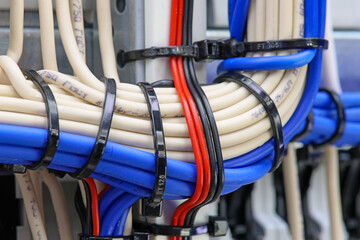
[[218, 137]]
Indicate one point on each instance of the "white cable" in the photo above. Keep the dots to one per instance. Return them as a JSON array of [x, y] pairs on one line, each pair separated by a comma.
[[292, 194], [37, 184], [48, 49], [59, 204], [333, 187], [108, 58], [32, 209], [331, 81], [16, 37]]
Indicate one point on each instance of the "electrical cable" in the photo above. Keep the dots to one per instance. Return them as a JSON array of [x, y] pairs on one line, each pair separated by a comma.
[[103, 191], [119, 229], [59, 204], [107, 200], [194, 126], [88, 216], [115, 213], [80, 209], [208, 121], [32, 209], [94, 206], [292, 194]]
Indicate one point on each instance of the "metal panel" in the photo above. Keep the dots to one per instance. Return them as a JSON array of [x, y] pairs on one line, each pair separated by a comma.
[[129, 31]]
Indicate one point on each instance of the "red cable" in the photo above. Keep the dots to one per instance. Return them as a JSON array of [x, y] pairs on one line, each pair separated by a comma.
[[193, 121], [103, 191], [94, 206]]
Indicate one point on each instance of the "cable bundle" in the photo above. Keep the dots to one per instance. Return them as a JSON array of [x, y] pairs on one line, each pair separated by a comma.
[[128, 161]]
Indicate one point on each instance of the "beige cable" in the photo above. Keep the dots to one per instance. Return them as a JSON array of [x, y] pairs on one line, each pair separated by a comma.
[[32, 208], [48, 49], [333, 189], [292, 194], [37, 184], [16, 37], [108, 58], [59, 204], [77, 20]]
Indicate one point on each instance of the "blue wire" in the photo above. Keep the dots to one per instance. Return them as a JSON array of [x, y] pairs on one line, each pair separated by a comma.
[[280, 62], [303, 109], [107, 200], [240, 12], [119, 228], [115, 212]]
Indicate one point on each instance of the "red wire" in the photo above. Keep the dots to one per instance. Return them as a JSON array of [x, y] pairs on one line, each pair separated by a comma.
[[94, 206], [194, 125], [103, 191]]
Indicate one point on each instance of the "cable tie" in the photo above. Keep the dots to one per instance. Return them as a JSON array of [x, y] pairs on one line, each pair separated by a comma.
[[136, 236], [341, 120], [269, 107], [163, 83], [307, 129], [220, 49], [216, 227], [53, 125], [103, 133], [153, 206]]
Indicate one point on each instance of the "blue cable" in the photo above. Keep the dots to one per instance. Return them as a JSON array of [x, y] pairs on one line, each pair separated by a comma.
[[238, 21], [303, 109], [278, 62], [115, 212], [120, 225], [107, 200]]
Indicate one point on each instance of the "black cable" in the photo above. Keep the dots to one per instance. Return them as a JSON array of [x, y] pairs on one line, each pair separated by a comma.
[[206, 116], [88, 207], [80, 209]]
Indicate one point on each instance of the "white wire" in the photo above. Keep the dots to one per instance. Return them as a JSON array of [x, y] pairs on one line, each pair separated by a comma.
[[59, 203], [292, 194], [31, 206]]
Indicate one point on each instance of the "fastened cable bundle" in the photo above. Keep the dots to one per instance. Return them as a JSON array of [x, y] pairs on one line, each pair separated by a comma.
[[245, 136]]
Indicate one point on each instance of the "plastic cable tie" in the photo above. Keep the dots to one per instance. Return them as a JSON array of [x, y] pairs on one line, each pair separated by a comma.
[[269, 107], [53, 120], [220, 49], [216, 227], [103, 133], [136, 236], [163, 83], [153, 206], [341, 119], [308, 128]]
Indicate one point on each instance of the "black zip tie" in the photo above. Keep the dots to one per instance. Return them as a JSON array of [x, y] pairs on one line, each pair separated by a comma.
[[270, 109], [153, 206], [104, 130], [308, 128], [221, 49], [216, 227], [163, 83], [53, 125], [341, 120], [136, 236]]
